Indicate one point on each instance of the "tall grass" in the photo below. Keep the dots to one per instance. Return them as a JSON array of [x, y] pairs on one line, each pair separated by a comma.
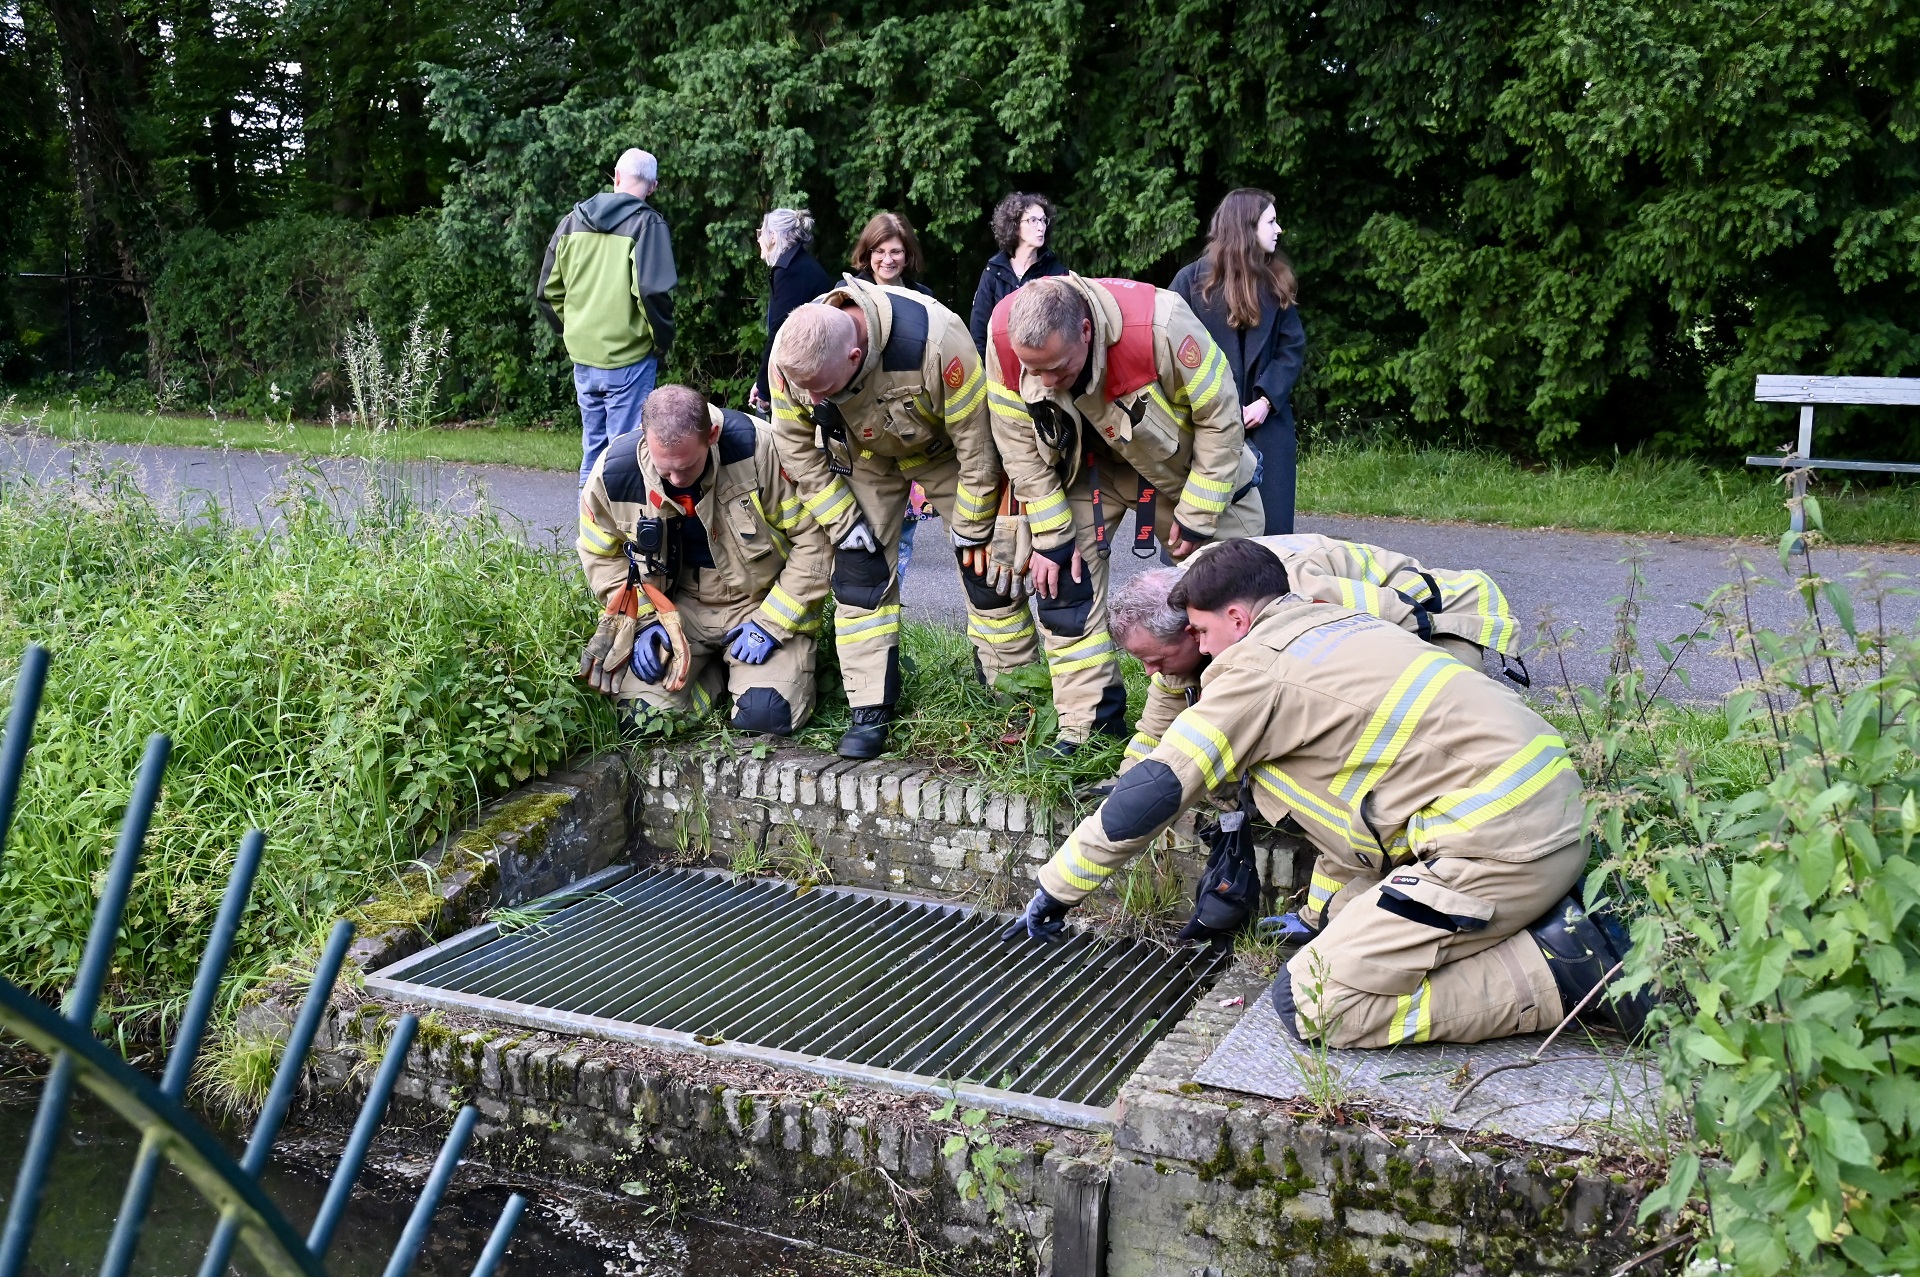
[[350, 685]]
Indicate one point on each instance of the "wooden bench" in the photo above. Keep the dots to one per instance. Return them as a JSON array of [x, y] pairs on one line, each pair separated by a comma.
[[1808, 391]]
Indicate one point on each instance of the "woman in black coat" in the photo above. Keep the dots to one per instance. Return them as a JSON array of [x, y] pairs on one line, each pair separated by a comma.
[[785, 236], [1243, 291], [1021, 224]]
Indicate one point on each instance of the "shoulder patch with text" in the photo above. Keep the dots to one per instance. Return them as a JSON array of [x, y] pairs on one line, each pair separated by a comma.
[[1189, 355], [954, 375]]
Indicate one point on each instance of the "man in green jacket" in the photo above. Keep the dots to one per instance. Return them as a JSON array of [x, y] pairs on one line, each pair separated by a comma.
[[606, 287]]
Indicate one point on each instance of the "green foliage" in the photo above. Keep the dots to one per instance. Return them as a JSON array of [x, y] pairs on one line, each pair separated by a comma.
[[989, 1175], [353, 689], [1777, 884]]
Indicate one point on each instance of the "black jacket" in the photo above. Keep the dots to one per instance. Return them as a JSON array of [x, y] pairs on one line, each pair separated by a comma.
[[1265, 360], [797, 280], [997, 280]]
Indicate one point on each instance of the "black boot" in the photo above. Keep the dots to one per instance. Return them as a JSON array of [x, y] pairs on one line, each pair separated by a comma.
[[1580, 952], [867, 738]]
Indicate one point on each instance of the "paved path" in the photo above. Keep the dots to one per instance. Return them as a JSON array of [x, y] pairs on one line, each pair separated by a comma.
[[1577, 574]]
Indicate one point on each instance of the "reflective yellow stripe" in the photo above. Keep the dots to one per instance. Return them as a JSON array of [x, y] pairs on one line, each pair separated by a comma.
[[1321, 891], [1000, 629], [1180, 415], [1048, 513], [787, 518], [1370, 564], [909, 463], [1203, 493], [1358, 595], [1141, 745], [1205, 744], [1095, 649], [830, 502], [1301, 801], [962, 403], [1071, 865], [971, 506], [784, 411], [1210, 376], [702, 698], [1393, 723], [1007, 403], [878, 623], [780, 541], [1505, 788], [595, 540], [1413, 1016], [783, 607]]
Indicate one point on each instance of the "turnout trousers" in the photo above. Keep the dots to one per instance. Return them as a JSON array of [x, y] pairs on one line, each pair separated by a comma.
[[765, 696], [1385, 972], [1083, 661], [867, 641]]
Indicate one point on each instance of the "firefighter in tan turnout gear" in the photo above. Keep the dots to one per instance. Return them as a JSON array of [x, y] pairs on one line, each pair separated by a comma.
[[712, 574], [1448, 810], [1472, 617], [1109, 394], [874, 389]]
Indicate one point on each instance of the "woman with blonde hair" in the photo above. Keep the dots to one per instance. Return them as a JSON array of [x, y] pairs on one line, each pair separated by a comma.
[[784, 238], [888, 252], [1243, 290]]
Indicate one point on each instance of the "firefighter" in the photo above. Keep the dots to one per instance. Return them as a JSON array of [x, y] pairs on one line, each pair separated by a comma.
[[1448, 811], [1108, 394], [874, 389], [1473, 618], [712, 574]]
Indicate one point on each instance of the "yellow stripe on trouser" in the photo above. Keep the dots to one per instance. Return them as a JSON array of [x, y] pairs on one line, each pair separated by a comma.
[[1095, 649], [1204, 743], [1048, 513], [702, 698], [970, 506], [1356, 595], [830, 502], [1413, 1018], [784, 608], [1509, 785], [1371, 565], [1207, 494], [1394, 722], [882, 621], [596, 540], [962, 402], [1321, 891], [1140, 746], [1076, 868], [1000, 629]]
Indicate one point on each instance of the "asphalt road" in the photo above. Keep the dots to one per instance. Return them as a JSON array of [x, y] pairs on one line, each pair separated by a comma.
[[1577, 575]]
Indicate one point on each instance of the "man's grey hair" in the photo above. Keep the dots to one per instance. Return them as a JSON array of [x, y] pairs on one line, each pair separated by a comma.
[[1141, 604], [674, 414], [1045, 307], [635, 162]]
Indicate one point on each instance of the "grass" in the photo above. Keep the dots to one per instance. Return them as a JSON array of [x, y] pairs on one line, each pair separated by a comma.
[[351, 688]]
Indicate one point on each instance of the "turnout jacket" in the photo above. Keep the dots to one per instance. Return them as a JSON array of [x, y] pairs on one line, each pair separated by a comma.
[[763, 545], [1159, 396], [1383, 748], [918, 398]]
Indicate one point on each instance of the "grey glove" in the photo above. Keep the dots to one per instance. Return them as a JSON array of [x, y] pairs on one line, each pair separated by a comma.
[[860, 538]]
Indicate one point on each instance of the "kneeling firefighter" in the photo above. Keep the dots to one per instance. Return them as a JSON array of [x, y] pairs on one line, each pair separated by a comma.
[[1447, 811], [712, 574]]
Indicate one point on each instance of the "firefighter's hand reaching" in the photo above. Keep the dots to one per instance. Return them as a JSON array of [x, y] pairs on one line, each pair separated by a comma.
[[652, 653], [606, 652], [1045, 919], [1047, 569]]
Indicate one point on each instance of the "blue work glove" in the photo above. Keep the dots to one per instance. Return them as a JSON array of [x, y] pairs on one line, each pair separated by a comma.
[[652, 649], [1287, 929], [749, 644], [1045, 919]]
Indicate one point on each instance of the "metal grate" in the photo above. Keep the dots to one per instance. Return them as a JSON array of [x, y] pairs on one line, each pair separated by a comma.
[[891, 985]]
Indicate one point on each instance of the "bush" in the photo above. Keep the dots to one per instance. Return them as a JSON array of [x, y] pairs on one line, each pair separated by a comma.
[[352, 688], [1779, 921]]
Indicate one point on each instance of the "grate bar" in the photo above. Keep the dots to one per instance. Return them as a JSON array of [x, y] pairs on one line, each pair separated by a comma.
[[911, 993]]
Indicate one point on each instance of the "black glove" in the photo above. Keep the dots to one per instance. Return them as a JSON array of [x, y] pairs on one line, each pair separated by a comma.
[[1045, 919], [1229, 890]]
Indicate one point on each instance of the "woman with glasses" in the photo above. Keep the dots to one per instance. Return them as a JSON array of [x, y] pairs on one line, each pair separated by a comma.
[[1243, 290], [1021, 224], [888, 252]]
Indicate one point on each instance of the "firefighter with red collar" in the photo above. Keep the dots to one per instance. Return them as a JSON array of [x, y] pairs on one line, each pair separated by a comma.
[[1109, 395]]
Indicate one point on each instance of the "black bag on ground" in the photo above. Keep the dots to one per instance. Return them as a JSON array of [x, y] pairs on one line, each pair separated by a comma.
[[1229, 890]]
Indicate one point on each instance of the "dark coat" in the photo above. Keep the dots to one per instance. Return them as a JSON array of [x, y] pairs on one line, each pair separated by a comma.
[[1265, 360], [997, 280], [914, 284], [797, 280]]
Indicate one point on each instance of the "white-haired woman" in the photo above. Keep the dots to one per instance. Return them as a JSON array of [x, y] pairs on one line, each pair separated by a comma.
[[785, 236]]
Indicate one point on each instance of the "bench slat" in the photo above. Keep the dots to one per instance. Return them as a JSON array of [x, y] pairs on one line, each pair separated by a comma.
[[1883, 467], [1837, 390]]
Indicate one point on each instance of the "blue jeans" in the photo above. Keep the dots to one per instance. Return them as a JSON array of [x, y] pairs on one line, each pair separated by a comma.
[[610, 400], [906, 544]]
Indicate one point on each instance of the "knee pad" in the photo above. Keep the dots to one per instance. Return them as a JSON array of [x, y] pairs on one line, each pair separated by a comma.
[[1142, 801], [761, 709], [861, 578], [980, 596], [1283, 1004], [1110, 715], [1065, 615]]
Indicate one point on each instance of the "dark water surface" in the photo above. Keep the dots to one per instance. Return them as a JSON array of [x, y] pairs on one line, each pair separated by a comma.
[[556, 1238]]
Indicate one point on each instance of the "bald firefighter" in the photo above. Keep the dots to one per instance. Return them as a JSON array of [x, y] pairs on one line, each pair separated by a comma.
[[1473, 617], [1451, 811], [1109, 395], [875, 389], [712, 574]]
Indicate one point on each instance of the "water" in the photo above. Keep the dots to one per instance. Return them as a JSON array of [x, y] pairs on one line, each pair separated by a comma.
[[559, 1236]]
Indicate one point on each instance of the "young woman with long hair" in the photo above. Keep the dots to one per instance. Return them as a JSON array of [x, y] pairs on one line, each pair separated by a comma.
[[1243, 290]]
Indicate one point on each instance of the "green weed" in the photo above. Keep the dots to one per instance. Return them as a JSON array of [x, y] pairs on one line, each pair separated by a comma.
[[236, 1070]]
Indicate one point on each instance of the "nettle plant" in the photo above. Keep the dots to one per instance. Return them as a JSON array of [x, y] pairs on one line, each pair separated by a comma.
[[1776, 883]]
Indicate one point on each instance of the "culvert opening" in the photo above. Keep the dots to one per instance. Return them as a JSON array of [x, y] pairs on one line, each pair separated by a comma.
[[851, 983]]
